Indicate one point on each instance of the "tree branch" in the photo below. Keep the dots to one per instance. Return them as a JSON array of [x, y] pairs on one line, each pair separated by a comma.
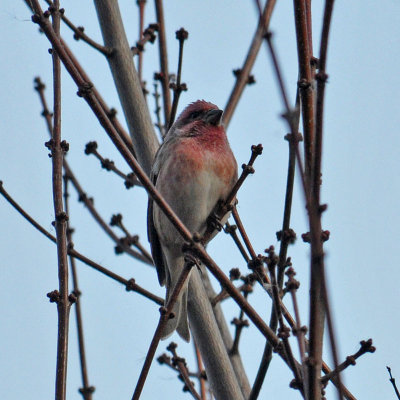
[[127, 83]]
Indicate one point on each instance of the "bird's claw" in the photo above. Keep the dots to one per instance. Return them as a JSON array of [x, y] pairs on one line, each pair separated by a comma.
[[214, 222]]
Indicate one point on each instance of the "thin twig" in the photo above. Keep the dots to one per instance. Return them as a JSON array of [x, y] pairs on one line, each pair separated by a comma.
[[284, 331], [243, 233], [157, 110], [57, 153], [165, 314], [231, 230], [116, 220], [109, 165], [39, 87], [393, 382], [298, 330], [366, 347], [164, 74], [225, 206], [242, 79], [86, 390], [286, 236], [80, 34], [148, 35], [184, 372], [318, 296], [200, 371], [141, 4], [130, 284], [321, 78], [178, 87], [304, 50], [239, 323], [164, 359]]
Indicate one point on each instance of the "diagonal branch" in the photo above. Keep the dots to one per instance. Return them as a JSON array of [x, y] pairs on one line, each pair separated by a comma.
[[39, 87], [80, 34], [242, 79], [130, 284], [165, 314]]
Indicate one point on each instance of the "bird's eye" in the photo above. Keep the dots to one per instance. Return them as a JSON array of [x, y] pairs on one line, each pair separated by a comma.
[[194, 114]]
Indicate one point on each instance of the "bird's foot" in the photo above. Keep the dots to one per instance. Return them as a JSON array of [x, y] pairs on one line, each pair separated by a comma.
[[214, 222]]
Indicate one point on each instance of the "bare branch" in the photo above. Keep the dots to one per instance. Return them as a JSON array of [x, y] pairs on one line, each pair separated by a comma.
[[80, 34], [178, 87], [109, 165], [366, 347], [58, 149], [86, 390], [243, 78], [130, 284], [304, 50], [393, 382], [127, 83], [164, 74], [166, 313], [184, 372]]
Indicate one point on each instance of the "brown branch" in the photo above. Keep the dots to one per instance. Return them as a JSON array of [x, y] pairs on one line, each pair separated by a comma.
[[242, 79], [39, 87], [164, 74], [393, 382], [287, 235], [366, 347], [116, 220], [80, 34], [86, 390], [298, 330], [164, 359], [111, 112], [57, 153], [225, 206], [243, 233], [141, 4], [200, 372], [321, 78], [148, 35], [248, 169], [180, 364], [109, 165], [165, 314], [284, 331], [157, 110], [231, 230], [178, 87], [239, 323], [130, 284], [304, 51], [319, 305]]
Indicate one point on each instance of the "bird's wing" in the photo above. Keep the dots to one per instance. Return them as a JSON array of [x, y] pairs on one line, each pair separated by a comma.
[[152, 234]]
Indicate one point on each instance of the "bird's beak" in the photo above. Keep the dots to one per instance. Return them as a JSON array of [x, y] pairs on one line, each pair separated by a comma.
[[213, 117]]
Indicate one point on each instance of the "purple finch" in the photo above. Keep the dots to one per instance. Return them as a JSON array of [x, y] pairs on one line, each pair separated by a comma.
[[193, 170]]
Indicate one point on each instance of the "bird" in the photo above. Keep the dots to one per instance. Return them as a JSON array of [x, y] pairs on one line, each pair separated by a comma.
[[194, 170]]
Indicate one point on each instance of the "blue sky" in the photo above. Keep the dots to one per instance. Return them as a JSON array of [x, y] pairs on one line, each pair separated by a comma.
[[360, 185]]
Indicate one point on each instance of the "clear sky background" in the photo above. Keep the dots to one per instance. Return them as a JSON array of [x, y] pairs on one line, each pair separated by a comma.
[[360, 185]]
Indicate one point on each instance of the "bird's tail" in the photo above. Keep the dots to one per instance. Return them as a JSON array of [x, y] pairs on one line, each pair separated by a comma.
[[180, 321]]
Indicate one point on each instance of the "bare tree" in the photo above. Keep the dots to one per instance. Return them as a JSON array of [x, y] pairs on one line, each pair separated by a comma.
[[225, 376]]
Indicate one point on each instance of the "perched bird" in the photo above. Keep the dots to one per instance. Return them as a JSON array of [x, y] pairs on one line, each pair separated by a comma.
[[193, 170]]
